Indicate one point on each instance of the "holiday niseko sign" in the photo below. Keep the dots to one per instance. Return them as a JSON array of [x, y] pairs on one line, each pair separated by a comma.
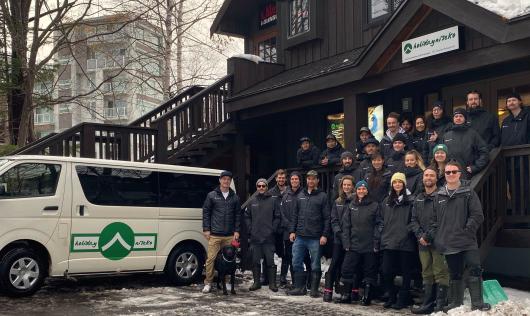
[[431, 44], [115, 242]]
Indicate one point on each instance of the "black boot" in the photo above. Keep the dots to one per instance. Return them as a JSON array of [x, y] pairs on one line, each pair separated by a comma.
[[328, 288], [345, 295], [427, 306], [441, 297], [272, 278], [264, 277], [403, 299], [391, 290], [456, 288], [283, 273], [366, 299], [475, 291], [299, 284], [355, 295], [315, 283], [256, 276]]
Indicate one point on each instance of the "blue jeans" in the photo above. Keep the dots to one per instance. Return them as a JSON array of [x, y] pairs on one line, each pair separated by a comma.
[[300, 247]]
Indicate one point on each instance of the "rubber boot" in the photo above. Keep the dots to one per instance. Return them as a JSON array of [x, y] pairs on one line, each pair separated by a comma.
[[345, 296], [283, 273], [328, 288], [441, 297], [256, 272], [475, 291], [456, 288], [315, 283], [403, 299], [272, 278], [427, 306], [299, 284], [366, 299], [355, 295], [391, 290], [264, 277]]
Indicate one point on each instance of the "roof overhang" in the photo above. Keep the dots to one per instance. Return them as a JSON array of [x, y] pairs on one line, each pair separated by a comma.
[[233, 18]]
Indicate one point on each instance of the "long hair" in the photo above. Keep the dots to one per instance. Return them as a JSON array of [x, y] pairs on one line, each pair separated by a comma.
[[376, 176], [439, 168], [424, 122], [342, 194], [419, 160], [393, 196]]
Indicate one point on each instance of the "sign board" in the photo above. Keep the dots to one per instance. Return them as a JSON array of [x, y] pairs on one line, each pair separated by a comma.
[[430, 45], [268, 15]]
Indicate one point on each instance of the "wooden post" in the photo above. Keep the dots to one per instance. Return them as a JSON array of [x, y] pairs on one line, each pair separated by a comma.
[[125, 150], [355, 116], [161, 142], [88, 141]]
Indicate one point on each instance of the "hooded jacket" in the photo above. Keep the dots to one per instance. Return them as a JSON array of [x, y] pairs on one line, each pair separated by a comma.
[[414, 180], [362, 224], [311, 216], [487, 126], [344, 171], [422, 213], [395, 234], [340, 206], [333, 154], [262, 216], [456, 220], [420, 142], [287, 206], [220, 216], [516, 130], [385, 146], [466, 146], [307, 158]]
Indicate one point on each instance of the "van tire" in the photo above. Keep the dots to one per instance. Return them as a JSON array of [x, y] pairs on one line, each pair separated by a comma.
[[185, 265], [34, 271]]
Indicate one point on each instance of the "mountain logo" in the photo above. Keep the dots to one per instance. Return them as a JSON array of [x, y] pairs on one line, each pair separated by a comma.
[[116, 241], [408, 48]]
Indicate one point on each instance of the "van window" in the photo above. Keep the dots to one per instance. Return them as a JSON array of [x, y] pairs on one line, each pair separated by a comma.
[[119, 187], [185, 190], [29, 180]]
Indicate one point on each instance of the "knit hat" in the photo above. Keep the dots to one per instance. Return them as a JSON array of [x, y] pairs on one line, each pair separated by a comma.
[[226, 174], [262, 180], [460, 111], [438, 104], [440, 147], [371, 140], [399, 176], [514, 95], [400, 137], [312, 173], [361, 183], [365, 129], [305, 139], [331, 136], [346, 154]]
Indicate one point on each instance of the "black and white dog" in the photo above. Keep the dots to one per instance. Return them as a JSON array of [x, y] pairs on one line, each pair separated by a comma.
[[225, 264]]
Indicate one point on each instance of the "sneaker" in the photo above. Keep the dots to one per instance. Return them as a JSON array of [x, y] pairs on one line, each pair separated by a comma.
[[206, 289]]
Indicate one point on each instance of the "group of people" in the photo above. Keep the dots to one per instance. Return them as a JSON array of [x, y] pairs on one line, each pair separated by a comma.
[[393, 214]]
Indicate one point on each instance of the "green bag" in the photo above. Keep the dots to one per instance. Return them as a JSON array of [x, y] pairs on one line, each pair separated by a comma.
[[493, 292]]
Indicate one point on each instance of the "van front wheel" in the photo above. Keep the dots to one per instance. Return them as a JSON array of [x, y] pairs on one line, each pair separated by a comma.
[[22, 272], [185, 265]]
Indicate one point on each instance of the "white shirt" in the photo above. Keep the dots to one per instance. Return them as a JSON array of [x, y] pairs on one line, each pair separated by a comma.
[[225, 194]]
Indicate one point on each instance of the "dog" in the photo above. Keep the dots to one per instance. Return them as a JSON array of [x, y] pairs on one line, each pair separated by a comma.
[[225, 264]]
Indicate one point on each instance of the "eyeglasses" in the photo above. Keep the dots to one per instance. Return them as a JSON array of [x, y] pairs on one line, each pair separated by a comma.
[[261, 186], [452, 172]]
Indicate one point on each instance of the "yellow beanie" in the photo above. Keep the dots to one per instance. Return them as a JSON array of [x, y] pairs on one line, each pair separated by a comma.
[[399, 176]]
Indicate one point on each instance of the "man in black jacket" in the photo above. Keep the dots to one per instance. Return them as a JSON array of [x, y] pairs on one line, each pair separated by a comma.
[[439, 123], [347, 169], [221, 216], [484, 122], [371, 146], [516, 126], [262, 217], [309, 231], [331, 155], [307, 155], [392, 122]]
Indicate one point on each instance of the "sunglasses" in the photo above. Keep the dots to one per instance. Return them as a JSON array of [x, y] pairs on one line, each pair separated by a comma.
[[452, 172], [261, 186]]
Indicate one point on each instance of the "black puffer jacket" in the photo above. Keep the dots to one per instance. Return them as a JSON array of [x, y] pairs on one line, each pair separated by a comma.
[[333, 154], [344, 171], [457, 218], [466, 146], [307, 158], [396, 162], [440, 126], [516, 130], [380, 191], [337, 212], [262, 216], [420, 142], [487, 126], [422, 213], [362, 224], [220, 216], [414, 180], [287, 206], [395, 234], [311, 216], [386, 148], [364, 167]]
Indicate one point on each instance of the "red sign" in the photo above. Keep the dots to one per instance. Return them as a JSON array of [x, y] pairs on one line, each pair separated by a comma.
[[267, 15]]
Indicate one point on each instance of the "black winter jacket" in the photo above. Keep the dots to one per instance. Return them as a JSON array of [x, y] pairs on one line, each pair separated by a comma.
[[349, 171], [262, 216], [414, 180], [220, 216], [385, 146], [364, 167], [311, 216], [456, 220], [380, 192], [333, 154], [275, 192], [395, 234], [340, 206], [420, 142], [308, 158], [287, 206], [362, 224], [466, 146], [422, 213], [440, 126], [487, 126], [396, 162], [516, 130]]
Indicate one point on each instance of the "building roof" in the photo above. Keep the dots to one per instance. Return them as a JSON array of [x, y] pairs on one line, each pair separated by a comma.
[[508, 9]]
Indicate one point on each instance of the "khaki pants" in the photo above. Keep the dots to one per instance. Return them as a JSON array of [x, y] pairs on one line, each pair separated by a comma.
[[433, 267], [214, 245]]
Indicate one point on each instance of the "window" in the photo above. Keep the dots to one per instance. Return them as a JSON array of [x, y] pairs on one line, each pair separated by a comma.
[[119, 187], [30, 180], [64, 108], [116, 109], [43, 115], [267, 50], [381, 8], [298, 17], [92, 109], [185, 190]]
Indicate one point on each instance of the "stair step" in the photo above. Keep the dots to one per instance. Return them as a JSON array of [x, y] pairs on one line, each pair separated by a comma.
[[211, 139], [513, 238]]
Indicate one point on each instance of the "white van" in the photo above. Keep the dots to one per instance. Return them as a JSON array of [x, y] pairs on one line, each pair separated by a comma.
[[64, 216]]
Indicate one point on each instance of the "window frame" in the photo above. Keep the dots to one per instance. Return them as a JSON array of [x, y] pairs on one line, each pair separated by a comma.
[[316, 24], [371, 22], [57, 180]]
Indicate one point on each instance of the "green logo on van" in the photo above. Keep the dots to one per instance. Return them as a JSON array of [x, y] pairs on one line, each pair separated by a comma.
[[115, 242]]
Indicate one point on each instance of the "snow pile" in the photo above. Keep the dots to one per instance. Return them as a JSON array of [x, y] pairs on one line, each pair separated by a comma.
[[253, 58], [507, 308], [508, 9]]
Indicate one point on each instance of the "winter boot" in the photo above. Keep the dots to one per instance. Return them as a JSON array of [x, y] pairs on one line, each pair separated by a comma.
[[427, 306], [328, 288], [272, 278], [345, 295], [315, 283], [355, 295], [441, 297], [264, 277], [475, 291], [283, 273], [256, 272], [366, 299], [299, 284], [403, 299], [391, 290], [456, 288]]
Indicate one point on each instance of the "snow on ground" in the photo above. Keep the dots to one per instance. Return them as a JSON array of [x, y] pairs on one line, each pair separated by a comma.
[[508, 9]]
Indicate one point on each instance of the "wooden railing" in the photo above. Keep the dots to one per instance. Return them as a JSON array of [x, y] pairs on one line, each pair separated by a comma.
[[188, 121], [517, 161]]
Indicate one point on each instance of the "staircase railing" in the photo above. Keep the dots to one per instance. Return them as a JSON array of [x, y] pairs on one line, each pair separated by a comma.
[[517, 161], [38, 141], [191, 119]]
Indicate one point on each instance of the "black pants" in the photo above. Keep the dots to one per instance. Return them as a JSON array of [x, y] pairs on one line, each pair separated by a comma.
[[355, 261], [395, 261], [262, 251], [335, 266], [459, 261]]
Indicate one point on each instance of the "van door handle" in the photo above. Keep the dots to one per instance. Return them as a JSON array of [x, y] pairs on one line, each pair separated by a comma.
[[51, 208], [81, 210]]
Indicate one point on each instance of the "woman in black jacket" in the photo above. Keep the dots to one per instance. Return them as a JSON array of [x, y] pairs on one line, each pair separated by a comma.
[[397, 243], [378, 178], [438, 162], [420, 137], [414, 167]]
